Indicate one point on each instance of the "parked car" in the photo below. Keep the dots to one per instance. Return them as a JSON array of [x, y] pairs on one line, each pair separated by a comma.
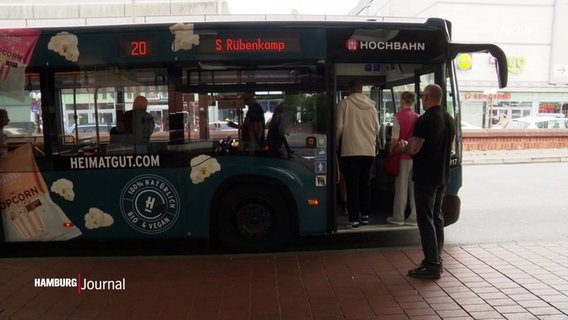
[[540, 122], [26, 128], [87, 133], [466, 125], [220, 129], [89, 128], [14, 131]]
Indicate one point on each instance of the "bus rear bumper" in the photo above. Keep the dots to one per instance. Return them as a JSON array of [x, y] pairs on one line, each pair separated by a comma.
[[451, 209]]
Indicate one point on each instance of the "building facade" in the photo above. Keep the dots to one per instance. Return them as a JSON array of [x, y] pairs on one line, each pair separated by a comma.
[[34, 13], [530, 33]]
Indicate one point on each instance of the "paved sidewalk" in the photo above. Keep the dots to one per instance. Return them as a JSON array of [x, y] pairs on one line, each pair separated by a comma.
[[478, 157], [488, 281], [505, 281]]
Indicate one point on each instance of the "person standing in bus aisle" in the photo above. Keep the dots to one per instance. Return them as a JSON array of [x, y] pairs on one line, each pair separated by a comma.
[[254, 125], [4, 120], [137, 123], [403, 127], [277, 131], [430, 147], [357, 129]]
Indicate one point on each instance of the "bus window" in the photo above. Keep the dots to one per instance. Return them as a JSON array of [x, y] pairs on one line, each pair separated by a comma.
[[91, 105], [425, 79], [398, 90], [24, 109], [386, 116]]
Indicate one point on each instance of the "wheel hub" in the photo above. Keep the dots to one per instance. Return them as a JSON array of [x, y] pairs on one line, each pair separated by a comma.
[[254, 220]]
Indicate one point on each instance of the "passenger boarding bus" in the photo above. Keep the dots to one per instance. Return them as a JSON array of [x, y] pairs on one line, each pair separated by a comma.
[[194, 179]]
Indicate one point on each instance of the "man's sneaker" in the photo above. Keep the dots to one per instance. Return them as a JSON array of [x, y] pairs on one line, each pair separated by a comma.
[[364, 219], [392, 220], [342, 208], [425, 272], [350, 225], [410, 223]]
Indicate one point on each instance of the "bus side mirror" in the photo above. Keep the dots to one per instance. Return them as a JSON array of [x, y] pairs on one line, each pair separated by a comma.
[[499, 55]]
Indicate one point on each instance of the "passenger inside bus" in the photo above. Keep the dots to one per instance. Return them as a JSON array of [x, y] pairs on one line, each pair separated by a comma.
[[135, 126], [253, 127], [277, 131]]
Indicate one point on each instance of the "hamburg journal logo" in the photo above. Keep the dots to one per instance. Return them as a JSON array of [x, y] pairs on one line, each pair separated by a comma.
[[81, 284]]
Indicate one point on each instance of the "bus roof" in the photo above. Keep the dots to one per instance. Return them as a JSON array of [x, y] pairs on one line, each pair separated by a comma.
[[254, 20], [302, 40], [114, 21]]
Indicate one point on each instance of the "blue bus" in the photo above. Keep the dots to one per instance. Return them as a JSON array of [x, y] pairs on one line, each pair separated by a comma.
[[194, 177]]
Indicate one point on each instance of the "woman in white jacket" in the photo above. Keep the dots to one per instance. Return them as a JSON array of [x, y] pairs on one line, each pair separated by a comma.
[[357, 128]]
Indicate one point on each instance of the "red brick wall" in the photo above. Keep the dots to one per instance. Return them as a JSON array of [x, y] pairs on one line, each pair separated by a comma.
[[499, 139]]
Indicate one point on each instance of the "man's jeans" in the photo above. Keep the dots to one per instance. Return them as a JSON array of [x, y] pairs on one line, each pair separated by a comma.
[[430, 220]]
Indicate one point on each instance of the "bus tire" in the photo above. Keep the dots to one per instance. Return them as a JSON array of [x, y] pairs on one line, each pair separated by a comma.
[[253, 218], [451, 209]]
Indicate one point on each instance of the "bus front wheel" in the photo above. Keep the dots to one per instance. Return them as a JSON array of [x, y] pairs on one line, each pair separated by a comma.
[[253, 218]]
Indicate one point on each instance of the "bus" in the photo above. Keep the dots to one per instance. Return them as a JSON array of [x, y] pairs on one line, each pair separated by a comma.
[[193, 179]]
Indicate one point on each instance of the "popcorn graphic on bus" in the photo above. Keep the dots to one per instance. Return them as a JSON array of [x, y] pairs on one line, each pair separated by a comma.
[[64, 188], [66, 44], [97, 218], [184, 38], [202, 167]]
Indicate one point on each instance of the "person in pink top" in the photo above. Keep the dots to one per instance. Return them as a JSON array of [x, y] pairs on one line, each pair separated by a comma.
[[403, 127]]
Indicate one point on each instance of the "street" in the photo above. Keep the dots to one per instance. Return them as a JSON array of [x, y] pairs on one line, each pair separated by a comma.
[[518, 202], [500, 203]]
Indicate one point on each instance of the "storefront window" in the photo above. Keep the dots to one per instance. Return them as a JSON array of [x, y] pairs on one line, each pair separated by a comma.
[[514, 109], [559, 109]]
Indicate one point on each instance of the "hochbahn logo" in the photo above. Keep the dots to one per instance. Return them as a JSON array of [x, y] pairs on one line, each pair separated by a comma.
[[353, 45], [150, 204]]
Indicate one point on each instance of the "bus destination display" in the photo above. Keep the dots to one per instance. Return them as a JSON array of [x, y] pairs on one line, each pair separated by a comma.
[[250, 43]]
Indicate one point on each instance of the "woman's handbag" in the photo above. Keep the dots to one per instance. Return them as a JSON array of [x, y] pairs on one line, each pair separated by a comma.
[[392, 162]]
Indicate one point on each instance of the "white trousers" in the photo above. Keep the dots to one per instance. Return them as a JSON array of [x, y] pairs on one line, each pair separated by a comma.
[[404, 192]]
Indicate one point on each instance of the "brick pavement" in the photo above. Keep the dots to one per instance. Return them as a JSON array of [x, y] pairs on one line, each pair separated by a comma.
[[489, 281]]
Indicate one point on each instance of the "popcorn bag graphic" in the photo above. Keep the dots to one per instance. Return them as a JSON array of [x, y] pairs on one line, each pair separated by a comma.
[[28, 213], [26, 220]]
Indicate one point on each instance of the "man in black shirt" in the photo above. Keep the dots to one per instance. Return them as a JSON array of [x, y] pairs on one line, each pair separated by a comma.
[[430, 148]]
